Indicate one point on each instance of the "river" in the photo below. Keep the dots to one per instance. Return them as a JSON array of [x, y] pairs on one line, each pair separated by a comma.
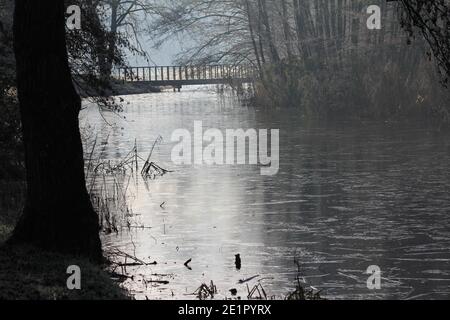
[[347, 196]]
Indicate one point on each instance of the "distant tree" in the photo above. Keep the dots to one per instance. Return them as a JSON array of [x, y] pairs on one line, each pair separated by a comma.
[[58, 214], [218, 31], [123, 20]]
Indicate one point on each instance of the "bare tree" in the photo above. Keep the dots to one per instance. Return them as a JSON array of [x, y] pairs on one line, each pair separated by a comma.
[[125, 19], [305, 46]]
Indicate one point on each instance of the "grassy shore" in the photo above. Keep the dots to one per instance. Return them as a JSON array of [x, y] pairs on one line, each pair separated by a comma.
[[28, 273]]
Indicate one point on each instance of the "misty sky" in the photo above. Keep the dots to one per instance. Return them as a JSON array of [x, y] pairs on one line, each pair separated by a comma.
[[162, 56]]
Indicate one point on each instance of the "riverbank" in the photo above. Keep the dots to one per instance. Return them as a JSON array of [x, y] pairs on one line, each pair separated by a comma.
[[29, 273], [120, 88]]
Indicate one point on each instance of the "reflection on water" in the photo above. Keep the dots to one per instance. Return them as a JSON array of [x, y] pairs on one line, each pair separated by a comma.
[[347, 196]]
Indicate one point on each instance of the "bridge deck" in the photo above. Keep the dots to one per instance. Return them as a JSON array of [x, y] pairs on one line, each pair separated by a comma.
[[180, 83], [178, 76]]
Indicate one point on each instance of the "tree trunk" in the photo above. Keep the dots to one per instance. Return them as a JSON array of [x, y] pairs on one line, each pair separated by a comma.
[[252, 36], [275, 58], [58, 214], [112, 39], [260, 35], [300, 29], [287, 31]]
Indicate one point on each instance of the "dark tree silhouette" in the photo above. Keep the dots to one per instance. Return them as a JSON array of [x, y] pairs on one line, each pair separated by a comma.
[[58, 214], [432, 20]]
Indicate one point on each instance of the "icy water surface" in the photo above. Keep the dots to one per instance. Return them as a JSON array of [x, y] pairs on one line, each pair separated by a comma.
[[347, 196]]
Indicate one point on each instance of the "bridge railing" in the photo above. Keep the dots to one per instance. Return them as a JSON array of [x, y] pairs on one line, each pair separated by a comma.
[[180, 73]]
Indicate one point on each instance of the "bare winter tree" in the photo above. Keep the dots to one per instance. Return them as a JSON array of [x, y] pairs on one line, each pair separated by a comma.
[[125, 19], [299, 45], [218, 30]]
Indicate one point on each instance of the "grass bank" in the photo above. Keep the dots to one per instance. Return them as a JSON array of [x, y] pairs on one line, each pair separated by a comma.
[[29, 273]]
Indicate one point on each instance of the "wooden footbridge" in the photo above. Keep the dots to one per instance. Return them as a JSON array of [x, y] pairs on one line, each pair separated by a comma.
[[178, 76]]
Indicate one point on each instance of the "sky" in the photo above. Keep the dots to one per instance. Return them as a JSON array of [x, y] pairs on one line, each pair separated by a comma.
[[161, 57]]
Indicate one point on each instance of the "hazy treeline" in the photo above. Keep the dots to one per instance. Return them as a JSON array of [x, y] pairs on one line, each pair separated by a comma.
[[315, 55]]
